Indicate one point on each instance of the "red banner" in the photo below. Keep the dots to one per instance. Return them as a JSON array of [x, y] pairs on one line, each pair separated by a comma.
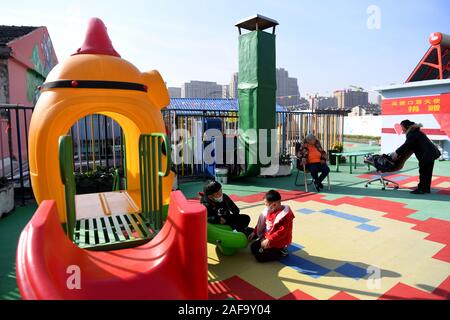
[[417, 105]]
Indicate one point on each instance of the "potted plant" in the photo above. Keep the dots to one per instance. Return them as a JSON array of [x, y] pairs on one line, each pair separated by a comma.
[[336, 148], [285, 164], [100, 180], [284, 167], [6, 196]]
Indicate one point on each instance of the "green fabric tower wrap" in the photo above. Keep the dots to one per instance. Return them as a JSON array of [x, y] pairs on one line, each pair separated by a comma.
[[257, 87]]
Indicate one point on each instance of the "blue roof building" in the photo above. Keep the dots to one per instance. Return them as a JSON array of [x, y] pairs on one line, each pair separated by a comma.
[[195, 105]]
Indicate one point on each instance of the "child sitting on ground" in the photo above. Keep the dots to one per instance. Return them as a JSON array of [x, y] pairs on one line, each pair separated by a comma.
[[222, 210], [273, 231]]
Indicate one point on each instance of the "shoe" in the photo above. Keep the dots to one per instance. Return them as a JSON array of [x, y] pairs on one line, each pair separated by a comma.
[[284, 252], [417, 191], [248, 231], [317, 186]]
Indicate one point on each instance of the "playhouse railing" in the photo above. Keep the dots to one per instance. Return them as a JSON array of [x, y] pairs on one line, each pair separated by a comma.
[[151, 150]]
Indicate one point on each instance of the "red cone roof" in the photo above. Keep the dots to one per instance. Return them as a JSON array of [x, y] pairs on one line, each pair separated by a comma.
[[97, 40]]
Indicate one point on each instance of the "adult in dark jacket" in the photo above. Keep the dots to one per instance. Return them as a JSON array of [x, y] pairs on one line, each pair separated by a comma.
[[222, 210], [424, 149]]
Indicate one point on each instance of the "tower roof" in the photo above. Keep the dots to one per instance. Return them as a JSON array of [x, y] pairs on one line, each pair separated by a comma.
[[256, 22]]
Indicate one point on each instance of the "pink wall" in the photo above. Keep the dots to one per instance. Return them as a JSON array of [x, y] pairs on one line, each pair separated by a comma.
[[31, 60]]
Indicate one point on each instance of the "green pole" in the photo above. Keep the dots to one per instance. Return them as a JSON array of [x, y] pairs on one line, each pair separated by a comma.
[[256, 93]]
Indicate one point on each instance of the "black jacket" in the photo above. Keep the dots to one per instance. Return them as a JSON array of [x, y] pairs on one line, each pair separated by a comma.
[[219, 209], [420, 144]]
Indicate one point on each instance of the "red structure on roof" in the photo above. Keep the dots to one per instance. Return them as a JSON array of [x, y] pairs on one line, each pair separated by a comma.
[[436, 62], [97, 40]]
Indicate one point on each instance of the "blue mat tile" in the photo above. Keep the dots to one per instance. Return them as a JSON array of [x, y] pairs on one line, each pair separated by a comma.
[[352, 271], [295, 247], [305, 211], [345, 216], [368, 227], [304, 266]]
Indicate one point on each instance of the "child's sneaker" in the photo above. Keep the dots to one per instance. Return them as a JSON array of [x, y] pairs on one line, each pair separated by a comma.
[[248, 231]]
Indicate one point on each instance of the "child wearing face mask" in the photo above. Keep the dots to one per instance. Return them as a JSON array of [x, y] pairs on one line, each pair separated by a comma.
[[273, 231], [222, 210]]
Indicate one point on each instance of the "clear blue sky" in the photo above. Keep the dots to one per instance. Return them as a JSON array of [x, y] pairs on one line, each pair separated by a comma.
[[325, 44]]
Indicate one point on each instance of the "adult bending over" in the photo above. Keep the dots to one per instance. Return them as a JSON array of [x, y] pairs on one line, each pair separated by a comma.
[[425, 150]]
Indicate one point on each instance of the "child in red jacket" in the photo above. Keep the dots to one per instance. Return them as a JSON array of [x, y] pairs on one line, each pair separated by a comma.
[[273, 241]]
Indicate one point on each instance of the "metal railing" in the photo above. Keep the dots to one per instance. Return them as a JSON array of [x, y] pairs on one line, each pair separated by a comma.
[[99, 140], [14, 124], [328, 127], [291, 128]]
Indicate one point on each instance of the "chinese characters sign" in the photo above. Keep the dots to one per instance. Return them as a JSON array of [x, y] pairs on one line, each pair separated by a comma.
[[417, 105]]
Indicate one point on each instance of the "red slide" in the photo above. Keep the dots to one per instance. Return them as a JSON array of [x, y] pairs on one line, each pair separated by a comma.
[[171, 266]]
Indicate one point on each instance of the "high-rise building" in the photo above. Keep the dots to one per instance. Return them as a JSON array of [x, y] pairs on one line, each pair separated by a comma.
[[288, 93], [226, 91], [201, 89], [287, 88], [234, 86], [174, 92], [321, 103], [347, 99]]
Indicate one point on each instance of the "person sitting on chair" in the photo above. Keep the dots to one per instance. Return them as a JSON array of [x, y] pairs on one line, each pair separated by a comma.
[[312, 155], [222, 210]]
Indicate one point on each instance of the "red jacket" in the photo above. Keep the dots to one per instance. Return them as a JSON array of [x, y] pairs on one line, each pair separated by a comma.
[[279, 228]]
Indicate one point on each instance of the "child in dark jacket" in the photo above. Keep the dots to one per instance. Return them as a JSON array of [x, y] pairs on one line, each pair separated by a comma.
[[274, 230], [222, 210]]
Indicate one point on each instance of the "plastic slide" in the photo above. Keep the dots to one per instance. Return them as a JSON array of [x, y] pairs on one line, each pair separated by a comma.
[[171, 266], [227, 241]]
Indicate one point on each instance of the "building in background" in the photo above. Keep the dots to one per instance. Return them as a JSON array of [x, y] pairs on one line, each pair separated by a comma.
[[288, 93], [347, 99], [370, 109], [174, 92], [424, 98], [234, 86], [26, 58], [201, 89], [226, 91], [322, 103]]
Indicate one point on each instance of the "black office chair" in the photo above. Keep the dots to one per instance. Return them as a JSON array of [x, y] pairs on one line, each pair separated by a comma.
[[383, 169]]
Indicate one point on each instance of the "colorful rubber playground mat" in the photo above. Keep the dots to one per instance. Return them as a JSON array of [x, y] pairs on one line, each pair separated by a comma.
[[340, 238], [342, 243], [336, 247]]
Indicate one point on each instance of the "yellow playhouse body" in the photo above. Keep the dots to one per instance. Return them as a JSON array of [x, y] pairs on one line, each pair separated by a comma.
[[93, 83]]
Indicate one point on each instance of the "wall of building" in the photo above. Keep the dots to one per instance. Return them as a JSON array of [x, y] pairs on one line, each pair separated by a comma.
[[425, 102], [201, 89], [32, 58], [348, 98], [174, 92], [287, 89], [363, 126]]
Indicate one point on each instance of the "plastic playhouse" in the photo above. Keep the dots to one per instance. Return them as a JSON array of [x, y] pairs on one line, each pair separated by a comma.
[[144, 242]]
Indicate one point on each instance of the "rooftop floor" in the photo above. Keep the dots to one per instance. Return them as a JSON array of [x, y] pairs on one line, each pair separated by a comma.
[[339, 237]]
